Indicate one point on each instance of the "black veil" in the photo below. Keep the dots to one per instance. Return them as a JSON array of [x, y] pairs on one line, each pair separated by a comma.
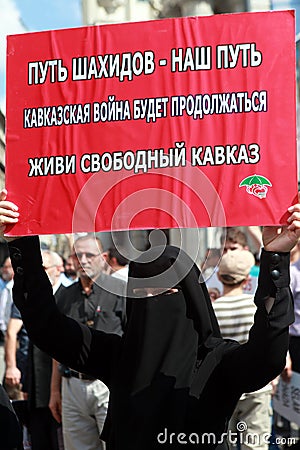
[[170, 334], [171, 346]]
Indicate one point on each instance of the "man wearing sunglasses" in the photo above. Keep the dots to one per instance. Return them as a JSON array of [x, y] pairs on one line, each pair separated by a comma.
[[96, 300]]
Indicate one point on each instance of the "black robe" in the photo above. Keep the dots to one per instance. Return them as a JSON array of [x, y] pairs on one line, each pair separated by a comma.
[[173, 380], [11, 437]]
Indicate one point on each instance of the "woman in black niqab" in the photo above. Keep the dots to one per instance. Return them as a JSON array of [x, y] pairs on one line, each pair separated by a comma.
[[173, 380], [171, 346], [177, 381], [168, 333]]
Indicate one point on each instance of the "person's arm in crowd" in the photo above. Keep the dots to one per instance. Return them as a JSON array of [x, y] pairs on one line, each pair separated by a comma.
[[255, 234], [287, 372], [55, 392], [12, 373]]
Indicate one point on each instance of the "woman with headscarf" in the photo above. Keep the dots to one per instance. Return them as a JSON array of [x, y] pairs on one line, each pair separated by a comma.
[[173, 380]]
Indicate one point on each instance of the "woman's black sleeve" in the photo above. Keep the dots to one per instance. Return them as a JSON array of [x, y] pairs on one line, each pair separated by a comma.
[[254, 364], [69, 342]]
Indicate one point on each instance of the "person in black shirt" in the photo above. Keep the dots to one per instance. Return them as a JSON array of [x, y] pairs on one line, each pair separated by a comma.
[[96, 300], [11, 435]]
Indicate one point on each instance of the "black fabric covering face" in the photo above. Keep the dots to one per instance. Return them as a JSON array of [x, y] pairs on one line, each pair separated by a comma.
[[170, 334], [171, 346], [169, 267]]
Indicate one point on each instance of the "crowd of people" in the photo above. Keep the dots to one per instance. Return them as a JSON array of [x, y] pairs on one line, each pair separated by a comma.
[[102, 353]]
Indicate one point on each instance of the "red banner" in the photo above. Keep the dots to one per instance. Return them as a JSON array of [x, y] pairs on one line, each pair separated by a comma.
[[186, 122]]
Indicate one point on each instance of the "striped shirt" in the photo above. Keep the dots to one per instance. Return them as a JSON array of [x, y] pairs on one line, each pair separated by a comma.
[[235, 315]]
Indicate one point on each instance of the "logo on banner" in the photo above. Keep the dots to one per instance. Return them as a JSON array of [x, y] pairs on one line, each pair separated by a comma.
[[256, 185]]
